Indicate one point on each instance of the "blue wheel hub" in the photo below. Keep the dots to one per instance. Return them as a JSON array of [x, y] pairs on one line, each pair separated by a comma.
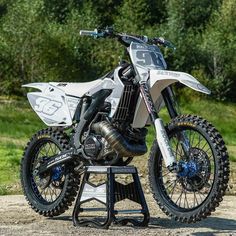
[[188, 169], [56, 173]]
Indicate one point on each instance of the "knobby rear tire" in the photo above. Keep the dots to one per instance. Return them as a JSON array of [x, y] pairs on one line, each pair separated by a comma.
[[71, 181]]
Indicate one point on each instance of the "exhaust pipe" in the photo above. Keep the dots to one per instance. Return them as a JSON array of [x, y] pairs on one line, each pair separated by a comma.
[[117, 141]]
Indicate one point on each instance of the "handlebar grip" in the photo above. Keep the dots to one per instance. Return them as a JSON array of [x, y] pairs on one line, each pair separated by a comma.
[[87, 32]]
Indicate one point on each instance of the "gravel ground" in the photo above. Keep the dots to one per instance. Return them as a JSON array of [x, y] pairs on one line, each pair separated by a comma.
[[16, 218]]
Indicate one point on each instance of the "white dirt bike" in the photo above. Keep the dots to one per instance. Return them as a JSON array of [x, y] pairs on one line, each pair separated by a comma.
[[103, 123]]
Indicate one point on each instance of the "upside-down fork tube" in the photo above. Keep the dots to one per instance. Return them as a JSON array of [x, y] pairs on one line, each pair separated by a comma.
[[167, 95], [161, 135]]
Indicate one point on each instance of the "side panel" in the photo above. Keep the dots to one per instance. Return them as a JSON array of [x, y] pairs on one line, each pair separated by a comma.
[[57, 102], [72, 103], [160, 79], [52, 105], [117, 92]]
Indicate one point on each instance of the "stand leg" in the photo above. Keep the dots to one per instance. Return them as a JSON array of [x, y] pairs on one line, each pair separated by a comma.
[[115, 192], [142, 199], [77, 209]]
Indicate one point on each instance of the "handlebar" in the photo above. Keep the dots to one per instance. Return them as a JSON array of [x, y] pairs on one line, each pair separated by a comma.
[[109, 32], [164, 42], [93, 33], [87, 32]]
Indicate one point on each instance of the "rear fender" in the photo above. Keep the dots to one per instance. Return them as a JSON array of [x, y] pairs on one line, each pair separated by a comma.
[[51, 104]]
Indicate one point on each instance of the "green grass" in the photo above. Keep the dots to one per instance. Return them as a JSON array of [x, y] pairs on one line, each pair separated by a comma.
[[18, 123], [221, 115], [17, 120]]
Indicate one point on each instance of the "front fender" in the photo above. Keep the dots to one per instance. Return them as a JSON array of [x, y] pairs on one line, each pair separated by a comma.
[[159, 80], [163, 77]]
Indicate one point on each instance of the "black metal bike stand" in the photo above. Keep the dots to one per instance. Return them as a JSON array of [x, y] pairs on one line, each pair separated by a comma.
[[109, 193]]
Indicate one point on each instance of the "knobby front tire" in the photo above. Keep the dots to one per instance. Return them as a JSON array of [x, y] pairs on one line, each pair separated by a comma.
[[206, 191]]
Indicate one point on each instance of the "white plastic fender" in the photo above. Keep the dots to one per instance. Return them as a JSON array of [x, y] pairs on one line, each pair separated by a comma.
[[159, 80], [51, 104]]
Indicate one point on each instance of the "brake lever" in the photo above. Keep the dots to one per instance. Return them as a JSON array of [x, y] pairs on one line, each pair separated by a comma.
[[169, 45], [165, 43]]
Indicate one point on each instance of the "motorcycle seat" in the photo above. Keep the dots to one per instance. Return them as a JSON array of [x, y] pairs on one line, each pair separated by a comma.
[[80, 89], [77, 89]]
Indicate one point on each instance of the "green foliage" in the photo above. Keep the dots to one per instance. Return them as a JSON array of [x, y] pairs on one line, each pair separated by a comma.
[[105, 11], [219, 48], [59, 10], [36, 49], [185, 23], [20, 40], [18, 123], [140, 10], [39, 39]]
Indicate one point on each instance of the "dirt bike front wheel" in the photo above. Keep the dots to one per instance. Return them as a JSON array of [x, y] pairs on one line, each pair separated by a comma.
[[196, 189]]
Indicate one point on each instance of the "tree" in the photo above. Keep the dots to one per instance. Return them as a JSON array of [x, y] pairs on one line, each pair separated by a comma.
[[59, 10], [134, 16], [20, 39], [35, 48], [106, 11], [185, 23], [219, 50]]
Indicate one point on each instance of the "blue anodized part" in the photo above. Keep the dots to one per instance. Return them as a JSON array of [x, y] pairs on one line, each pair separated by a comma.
[[56, 173], [188, 169]]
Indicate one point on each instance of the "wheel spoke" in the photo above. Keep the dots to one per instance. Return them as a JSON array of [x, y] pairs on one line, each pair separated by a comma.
[[173, 182], [192, 141], [173, 188], [49, 193], [199, 141], [206, 143], [50, 148], [185, 198], [189, 192], [180, 196], [166, 174]]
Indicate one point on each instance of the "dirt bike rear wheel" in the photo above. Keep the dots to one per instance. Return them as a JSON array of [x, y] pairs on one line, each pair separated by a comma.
[[194, 192], [51, 194]]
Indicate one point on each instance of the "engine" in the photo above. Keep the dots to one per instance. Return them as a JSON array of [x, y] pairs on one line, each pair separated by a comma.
[[105, 142], [118, 142], [93, 146], [114, 138], [97, 148]]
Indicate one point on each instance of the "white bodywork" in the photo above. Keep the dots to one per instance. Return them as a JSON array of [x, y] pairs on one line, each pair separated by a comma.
[[159, 80], [56, 103], [52, 104]]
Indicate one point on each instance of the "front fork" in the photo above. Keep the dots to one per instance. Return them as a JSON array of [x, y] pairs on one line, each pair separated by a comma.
[[161, 135], [173, 109]]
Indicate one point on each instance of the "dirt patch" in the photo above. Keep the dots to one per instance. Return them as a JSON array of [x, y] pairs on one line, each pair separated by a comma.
[[16, 218]]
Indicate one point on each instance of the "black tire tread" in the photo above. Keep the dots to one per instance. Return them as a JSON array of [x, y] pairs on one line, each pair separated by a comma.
[[72, 183], [223, 171]]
